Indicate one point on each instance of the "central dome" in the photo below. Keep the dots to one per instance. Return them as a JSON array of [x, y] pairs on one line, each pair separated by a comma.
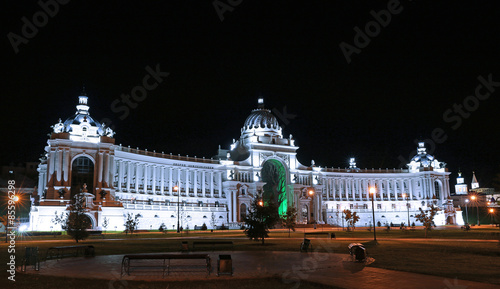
[[261, 118], [261, 122]]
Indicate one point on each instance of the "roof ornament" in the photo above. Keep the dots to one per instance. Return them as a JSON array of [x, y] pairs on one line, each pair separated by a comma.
[[260, 102]]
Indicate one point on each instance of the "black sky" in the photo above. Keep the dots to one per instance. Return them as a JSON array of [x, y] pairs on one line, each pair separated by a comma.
[[395, 91]]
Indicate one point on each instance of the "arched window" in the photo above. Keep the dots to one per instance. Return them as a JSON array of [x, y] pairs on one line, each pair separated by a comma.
[[243, 212], [82, 172], [437, 188]]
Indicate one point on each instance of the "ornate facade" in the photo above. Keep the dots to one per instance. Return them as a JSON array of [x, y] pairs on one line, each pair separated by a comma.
[[218, 191]]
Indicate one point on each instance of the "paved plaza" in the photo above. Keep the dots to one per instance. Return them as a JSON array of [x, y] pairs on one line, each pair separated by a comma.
[[292, 267]]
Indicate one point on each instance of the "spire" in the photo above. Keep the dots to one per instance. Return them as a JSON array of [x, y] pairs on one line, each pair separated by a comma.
[[474, 184], [260, 101], [460, 180]]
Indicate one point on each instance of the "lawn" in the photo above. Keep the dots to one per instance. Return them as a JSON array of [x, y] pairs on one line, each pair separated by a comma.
[[397, 250]]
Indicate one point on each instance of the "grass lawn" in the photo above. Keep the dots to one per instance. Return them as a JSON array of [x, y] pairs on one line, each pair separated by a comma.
[[470, 260]]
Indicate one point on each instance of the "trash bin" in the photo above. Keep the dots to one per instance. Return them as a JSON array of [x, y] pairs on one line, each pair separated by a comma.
[[305, 245], [185, 246], [357, 251], [31, 259], [332, 235], [224, 265]]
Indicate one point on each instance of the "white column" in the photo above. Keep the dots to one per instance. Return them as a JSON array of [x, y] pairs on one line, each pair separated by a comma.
[[146, 177], [153, 183], [211, 184], [179, 179], [235, 206], [59, 165], [203, 183], [219, 183], [170, 181], [120, 177], [137, 177], [162, 180], [129, 175], [67, 166], [195, 183], [188, 181], [410, 189]]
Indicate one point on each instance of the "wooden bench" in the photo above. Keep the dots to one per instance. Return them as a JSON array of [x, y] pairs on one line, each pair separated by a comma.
[[165, 262], [325, 234], [70, 251], [212, 243]]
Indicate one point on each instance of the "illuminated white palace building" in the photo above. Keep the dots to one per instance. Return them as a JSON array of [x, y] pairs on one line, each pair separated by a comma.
[[82, 157]]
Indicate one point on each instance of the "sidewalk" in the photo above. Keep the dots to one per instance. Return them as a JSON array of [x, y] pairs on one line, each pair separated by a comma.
[[292, 267]]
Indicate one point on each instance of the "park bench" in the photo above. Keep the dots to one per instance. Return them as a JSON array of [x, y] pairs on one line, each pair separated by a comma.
[[324, 234], [211, 243], [70, 251], [163, 262]]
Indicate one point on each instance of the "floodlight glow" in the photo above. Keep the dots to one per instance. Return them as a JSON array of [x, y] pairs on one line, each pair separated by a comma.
[[16, 198], [260, 101], [372, 190], [23, 228]]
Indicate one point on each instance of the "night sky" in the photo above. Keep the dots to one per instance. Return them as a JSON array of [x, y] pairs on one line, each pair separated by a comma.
[[423, 64]]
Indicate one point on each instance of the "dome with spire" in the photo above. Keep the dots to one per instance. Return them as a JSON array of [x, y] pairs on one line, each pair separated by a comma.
[[424, 160], [261, 122], [81, 126]]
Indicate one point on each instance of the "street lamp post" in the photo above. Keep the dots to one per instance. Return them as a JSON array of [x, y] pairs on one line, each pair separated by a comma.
[[407, 207], [492, 212], [311, 208], [372, 191], [176, 189], [473, 198], [466, 212]]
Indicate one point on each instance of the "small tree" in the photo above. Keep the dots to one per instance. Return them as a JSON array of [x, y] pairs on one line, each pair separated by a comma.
[[427, 217], [354, 220], [105, 224], [213, 220], [289, 220], [260, 219], [204, 227], [131, 223], [351, 218], [76, 222]]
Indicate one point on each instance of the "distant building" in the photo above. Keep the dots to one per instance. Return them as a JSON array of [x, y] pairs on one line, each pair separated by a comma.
[[460, 187], [81, 154], [474, 184]]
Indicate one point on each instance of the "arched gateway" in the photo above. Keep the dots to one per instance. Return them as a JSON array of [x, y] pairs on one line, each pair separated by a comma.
[[274, 175]]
